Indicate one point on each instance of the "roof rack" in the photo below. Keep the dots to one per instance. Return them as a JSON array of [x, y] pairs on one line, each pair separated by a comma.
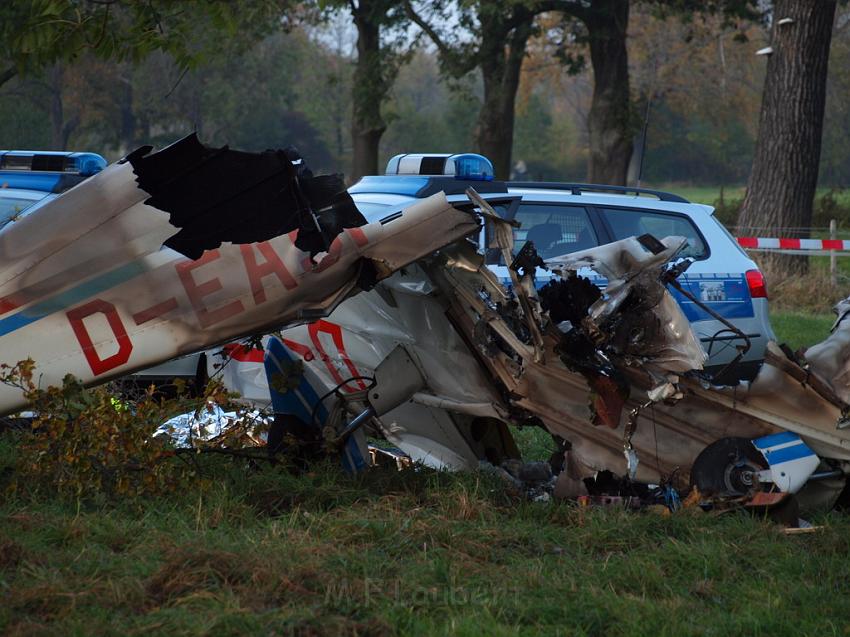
[[577, 189]]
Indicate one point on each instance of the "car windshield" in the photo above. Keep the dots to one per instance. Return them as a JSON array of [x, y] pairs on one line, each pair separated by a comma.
[[12, 204]]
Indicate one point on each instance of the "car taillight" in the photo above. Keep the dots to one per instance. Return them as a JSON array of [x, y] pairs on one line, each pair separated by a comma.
[[755, 281]]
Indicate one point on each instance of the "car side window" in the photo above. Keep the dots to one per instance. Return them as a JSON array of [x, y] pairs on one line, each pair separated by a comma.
[[554, 229], [633, 223]]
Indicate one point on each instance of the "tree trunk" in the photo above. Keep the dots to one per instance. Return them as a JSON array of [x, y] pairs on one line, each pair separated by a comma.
[[127, 130], [502, 53], [609, 121], [57, 110], [781, 188], [61, 126], [368, 91]]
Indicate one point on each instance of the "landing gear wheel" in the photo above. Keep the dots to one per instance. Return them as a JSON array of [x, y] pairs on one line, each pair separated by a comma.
[[728, 466]]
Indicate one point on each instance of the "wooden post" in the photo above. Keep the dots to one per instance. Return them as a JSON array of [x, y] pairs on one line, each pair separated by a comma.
[[833, 269]]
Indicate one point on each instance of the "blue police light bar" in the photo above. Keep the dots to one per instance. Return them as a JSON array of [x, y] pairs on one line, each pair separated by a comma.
[[409, 185], [48, 171], [467, 166]]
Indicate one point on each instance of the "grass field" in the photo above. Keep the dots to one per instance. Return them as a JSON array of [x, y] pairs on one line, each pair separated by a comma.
[[710, 194], [417, 553], [799, 329]]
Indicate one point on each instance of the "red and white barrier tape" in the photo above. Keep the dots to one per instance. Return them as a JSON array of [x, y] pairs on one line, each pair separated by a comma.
[[762, 243]]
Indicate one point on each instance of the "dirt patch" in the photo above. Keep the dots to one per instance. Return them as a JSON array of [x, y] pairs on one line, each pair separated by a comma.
[[26, 521], [190, 571]]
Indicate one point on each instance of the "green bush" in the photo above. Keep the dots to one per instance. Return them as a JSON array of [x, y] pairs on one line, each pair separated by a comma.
[[85, 442]]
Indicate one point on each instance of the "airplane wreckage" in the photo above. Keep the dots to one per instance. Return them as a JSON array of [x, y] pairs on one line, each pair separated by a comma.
[[394, 328]]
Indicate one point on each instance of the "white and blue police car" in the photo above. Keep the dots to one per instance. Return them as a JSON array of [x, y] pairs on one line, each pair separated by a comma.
[[30, 178], [561, 218]]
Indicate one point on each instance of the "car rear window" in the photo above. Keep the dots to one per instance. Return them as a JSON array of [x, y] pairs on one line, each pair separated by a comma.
[[555, 230], [633, 223]]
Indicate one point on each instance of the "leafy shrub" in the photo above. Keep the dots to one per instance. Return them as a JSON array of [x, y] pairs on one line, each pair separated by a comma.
[[726, 211], [85, 442], [831, 205]]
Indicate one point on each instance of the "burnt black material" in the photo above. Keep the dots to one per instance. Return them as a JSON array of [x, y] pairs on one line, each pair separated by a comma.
[[568, 299], [217, 194], [607, 483], [527, 261], [651, 243]]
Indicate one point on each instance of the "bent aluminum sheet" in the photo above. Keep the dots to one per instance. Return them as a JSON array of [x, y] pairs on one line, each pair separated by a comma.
[[87, 289], [434, 427], [627, 265]]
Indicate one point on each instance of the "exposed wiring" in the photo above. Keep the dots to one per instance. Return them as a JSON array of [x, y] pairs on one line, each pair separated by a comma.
[[742, 349], [713, 339], [335, 390]]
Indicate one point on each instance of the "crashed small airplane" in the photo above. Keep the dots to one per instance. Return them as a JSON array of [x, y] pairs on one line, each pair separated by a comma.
[[167, 253], [395, 328]]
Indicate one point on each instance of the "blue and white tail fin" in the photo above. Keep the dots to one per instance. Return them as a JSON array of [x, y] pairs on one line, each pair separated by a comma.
[[303, 400]]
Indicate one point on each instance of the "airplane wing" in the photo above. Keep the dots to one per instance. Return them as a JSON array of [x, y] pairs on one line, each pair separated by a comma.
[[103, 280]]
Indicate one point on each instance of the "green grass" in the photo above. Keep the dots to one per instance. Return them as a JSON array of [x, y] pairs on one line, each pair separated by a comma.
[[704, 194], [799, 329], [535, 443], [416, 553], [710, 194]]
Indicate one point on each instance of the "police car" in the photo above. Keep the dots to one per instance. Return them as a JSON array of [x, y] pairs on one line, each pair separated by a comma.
[[31, 177], [561, 218]]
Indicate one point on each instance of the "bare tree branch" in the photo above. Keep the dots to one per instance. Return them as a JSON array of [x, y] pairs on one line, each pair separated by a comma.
[[7, 74], [427, 28], [571, 7], [445, 50]]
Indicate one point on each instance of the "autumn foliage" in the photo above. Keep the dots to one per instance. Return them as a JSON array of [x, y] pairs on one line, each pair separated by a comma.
[[85, 442]]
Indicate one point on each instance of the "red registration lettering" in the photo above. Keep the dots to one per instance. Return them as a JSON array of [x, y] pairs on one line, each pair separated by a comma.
[[257, 271], [335, 331], [197, 291], [98, 365], [302, 350]]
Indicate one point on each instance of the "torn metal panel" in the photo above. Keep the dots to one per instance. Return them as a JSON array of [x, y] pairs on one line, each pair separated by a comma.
[[636, 314], [830, 359], [559, 396], [446, 424], [86, 287]]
